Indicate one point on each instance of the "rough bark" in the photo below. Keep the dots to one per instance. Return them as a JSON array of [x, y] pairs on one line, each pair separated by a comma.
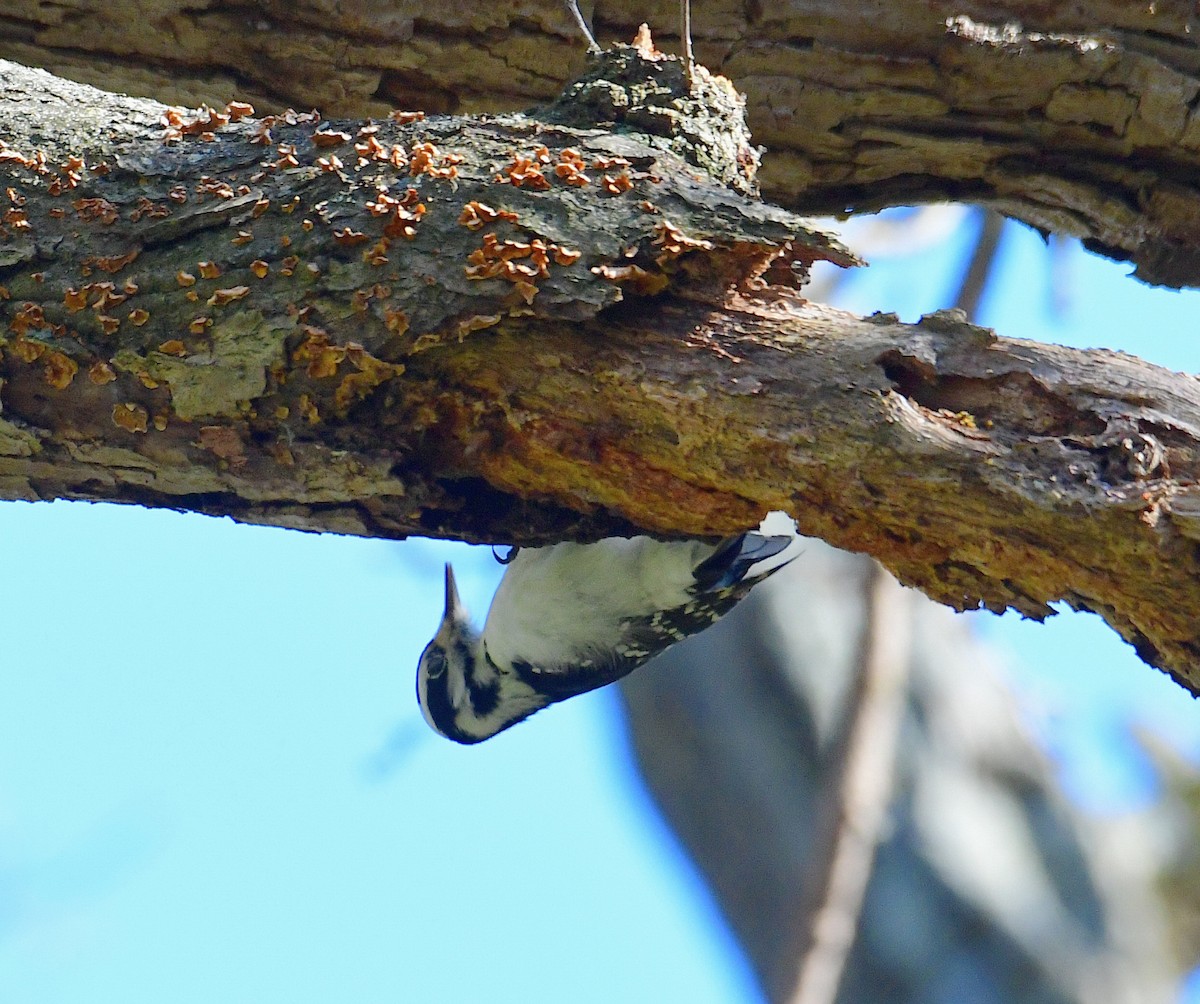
[[227, 327], [1078, 118]]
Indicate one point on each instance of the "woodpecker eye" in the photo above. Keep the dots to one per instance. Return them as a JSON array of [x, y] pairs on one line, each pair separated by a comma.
[[434, 661]]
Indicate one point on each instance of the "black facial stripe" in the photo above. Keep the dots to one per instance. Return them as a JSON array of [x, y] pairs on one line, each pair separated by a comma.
[[442, 712]]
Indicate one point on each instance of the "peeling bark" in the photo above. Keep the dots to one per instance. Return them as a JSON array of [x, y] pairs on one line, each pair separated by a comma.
[[272, 343], [1077, 118]]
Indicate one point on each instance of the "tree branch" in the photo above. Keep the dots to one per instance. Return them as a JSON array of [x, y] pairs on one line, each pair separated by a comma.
[[257, 345], [856, 801], [1077, 118]]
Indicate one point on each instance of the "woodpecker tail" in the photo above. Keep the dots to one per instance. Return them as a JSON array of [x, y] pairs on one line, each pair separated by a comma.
[[736, 557]]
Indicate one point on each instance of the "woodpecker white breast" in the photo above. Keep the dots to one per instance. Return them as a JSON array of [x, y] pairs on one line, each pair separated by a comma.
[[570, 618]]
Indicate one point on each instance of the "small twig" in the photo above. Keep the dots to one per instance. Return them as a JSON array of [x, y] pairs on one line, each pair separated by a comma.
[[685, 30], [573, 10], [979, 267], [859, 796]]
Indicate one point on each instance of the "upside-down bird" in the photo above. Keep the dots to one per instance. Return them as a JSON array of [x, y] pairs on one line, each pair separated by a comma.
[[569, 618]]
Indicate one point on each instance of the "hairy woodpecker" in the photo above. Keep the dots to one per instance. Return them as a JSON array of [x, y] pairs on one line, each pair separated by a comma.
[[569, 618]]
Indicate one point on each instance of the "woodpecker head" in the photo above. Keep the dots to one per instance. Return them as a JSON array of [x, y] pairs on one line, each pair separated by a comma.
[[463, 694]]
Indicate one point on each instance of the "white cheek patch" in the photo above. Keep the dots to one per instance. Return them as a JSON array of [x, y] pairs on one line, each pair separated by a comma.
[[456, 687]]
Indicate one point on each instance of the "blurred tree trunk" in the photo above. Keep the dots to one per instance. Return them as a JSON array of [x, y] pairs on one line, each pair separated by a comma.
[[987, 885]]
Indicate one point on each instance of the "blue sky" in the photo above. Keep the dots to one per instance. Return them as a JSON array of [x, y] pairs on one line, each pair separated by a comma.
[[215, 784]]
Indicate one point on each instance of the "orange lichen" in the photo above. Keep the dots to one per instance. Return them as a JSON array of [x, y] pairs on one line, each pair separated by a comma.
[[114, 263], [260, 268], [185, 278], [406, 118], [527, 171], [286, 158], [616, 184], [635, 276], [209, 269], [396, 321], [526, 290], [675, 243], [241, 237], [59, 369], [645, 44], [321, 357], [215, 187], [288, 265], [173, 347], [404, 212], [95, 209], [497, 259], [35, 162], [26, 350], [347, 237], [224, 442], [330, 137], [202, 122], [477, 323], [178, 194], [371, 372], [426, 158], [565, 256], [221, 297], [377, 253], [138, 317], [75, 300], [130, 416], [101, 373], [476, 215], [16, 219], [199, 325], [151, 210], [29, 317], [570, 168], [308, 409], [602, 163], [106, 295]]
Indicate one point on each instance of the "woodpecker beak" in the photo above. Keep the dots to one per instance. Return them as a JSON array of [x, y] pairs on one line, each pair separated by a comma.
[[455, 611]]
